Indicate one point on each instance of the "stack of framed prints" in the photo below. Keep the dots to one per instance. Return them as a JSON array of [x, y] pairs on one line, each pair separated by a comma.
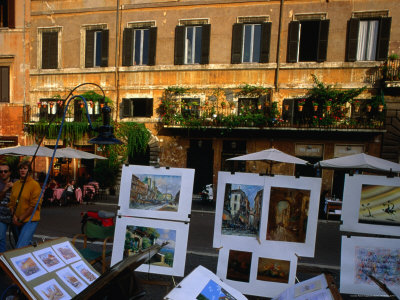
[[51, 270], [262, 224], [154, 207], [371, 205]]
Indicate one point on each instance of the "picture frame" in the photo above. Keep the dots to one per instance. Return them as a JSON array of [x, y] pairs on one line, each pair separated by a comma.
[[133, 234], [161, 193], [48, 258], [371, 204], [256, 286], [28, 267], [361, 256], [66, 252]]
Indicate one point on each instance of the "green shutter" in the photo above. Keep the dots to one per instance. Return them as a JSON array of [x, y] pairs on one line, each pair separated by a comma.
[[237, 37], [126, 108], [50, 50], [352, 39], [293, 41], [152, 45], [383, 38], [104, 48], [127, 47], [89, 49], [179, 45], [323, 40], [265, 42], [205, 44]]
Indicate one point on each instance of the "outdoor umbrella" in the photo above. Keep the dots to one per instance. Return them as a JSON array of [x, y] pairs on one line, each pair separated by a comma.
[[69, 152], [27, 151], [271, 155], [361, 161]]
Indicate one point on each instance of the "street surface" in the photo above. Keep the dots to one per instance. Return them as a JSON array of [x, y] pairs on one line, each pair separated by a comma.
[[65, 222]]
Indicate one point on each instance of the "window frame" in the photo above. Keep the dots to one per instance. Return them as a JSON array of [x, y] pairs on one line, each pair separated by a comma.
[[193, 47], [128, 44], [90, 45], [128, 107], [40, 55]]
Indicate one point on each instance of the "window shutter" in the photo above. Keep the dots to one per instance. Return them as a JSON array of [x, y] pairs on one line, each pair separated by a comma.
[[237, 37], [383, 38], [293, 41], [265, 42], [77, 112], [89, 50], [323, 40], [149, 107], [126, 108], [127, 47], [104, 48], [152, 45], [352, 39], [179, 45], [11, 14], [43, 112], [50, 50], [4, 84], [205, 44]]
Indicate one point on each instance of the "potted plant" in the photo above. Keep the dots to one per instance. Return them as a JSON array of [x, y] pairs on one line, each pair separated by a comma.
[[356, 104], [315, 105], [328, 104], [300, 104]]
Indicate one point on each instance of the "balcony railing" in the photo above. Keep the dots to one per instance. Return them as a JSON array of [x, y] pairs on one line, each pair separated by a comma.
[[390, 70]]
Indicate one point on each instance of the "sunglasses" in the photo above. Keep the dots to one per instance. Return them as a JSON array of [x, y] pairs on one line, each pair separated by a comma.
[[4, 171]]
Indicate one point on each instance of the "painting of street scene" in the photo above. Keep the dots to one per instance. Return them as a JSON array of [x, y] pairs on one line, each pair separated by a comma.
[[51, 290], [214, 291], [242, 209], [380, 205], [155, 192], [288, 215], [49, 259], [274, 270], [139, 238], [239, 264]]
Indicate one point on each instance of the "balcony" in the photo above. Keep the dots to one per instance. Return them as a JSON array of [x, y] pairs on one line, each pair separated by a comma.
[[390, 72]]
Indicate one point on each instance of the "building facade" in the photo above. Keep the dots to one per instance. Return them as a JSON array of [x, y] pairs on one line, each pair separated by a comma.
[[185, 68]]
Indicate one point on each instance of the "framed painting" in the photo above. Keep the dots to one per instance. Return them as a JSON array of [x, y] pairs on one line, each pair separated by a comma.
[[371, 204], [238, 209], [135, 234], [291, 214], [363, 256], [28, 267], [67, 252], [49, 259], [162, 193], [257, 272]]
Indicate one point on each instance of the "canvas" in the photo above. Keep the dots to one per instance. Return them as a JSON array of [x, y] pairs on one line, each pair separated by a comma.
[[371, 204], [136, 234], [164, 193]]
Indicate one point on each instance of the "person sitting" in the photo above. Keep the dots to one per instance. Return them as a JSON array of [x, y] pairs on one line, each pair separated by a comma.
[[70, 191]]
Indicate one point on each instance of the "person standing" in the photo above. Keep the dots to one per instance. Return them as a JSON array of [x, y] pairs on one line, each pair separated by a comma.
[[5, 212], [23, 207]]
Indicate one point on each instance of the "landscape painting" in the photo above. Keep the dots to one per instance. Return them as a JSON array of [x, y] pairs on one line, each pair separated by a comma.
[[380, 205], [214, 291], [28, 266], [288, 214], [239, 265], [139, 238], [275, 270], [155, 192], [242, 209]]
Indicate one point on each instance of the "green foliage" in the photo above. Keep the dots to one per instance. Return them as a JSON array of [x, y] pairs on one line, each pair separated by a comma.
[[93, 96], [135, 137], [253, 91], [106, 172]]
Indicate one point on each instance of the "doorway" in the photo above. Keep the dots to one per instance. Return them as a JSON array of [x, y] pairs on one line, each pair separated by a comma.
[[200, 156]]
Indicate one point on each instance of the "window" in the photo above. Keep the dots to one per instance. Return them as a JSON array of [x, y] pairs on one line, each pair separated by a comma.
[[50, 108], [308, 40], [137, 107], [93, 109], [4, 84], [7, 13], [49, 48], [247, 105], [190, 107], [368, 39], [96, 49], [250, 43], [192, 44], [139, 46]]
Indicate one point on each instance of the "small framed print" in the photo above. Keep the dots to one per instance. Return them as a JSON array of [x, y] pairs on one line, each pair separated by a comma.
[[51, 290], [49, 259], [70, 279], [28, 267], [371, 204], [85, 271], [67, 252], [162, 193], [133, 235]]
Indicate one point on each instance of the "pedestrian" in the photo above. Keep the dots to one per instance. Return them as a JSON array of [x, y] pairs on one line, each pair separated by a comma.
[[22, 204], [5, 213]]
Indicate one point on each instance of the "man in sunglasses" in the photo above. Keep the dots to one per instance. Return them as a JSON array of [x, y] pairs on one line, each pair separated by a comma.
[[5, 213]]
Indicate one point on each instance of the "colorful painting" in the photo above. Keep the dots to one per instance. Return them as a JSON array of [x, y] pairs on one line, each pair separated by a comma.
[[380, 205], [67, 253], [242, 209], [28, 266], [155, 192], [84, 271], [382, 263], [139, 238], [274, 270], [239, 265], [51, 290], [49, 259], [73, 281], [213, 291], [288, 214]]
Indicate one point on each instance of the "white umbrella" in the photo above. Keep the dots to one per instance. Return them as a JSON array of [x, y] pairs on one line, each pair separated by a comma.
[[271, 155], [362, 162], [27, 151], [69, 152]]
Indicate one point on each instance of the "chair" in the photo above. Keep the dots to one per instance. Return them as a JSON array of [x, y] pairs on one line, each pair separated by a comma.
[[94, 232]]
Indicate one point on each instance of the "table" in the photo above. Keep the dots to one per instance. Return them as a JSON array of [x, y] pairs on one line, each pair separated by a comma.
[[333, 207], [58, 193], [78, 195]]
